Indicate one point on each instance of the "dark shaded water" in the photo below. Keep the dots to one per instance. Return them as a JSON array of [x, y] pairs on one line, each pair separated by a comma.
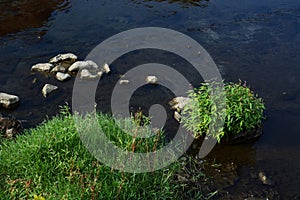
[[256, 41]]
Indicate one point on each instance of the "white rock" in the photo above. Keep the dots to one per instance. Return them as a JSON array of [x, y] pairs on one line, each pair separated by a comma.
[[8, 100], [177, 116], [63, 57], [48, 88], [99, 74], [89, 64], [42, 67], [62, 76], [9, 133], [178, 103], [86, 74], [58, 68], [123, 82], [151, 79], [106, 68]]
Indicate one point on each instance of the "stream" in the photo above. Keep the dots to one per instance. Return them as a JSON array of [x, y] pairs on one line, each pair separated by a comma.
[[255, 41]]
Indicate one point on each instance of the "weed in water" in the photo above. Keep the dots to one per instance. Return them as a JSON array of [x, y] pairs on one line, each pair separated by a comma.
[[244, 109]]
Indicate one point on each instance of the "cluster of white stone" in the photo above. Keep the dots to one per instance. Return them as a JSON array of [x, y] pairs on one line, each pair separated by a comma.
[[63, 66]]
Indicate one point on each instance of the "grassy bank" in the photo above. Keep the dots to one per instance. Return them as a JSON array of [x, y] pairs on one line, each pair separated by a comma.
[[51, 162]]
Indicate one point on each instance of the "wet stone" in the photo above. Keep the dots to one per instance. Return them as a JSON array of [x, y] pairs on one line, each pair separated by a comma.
[[177, 116], [124, 82], [62, 76], [8, 100], [48, 88], [86, 74], [178, 103], [75, 67], [99, 74], [106, 68], [65, 60], [42, 67], [58, 68], [151, 79]]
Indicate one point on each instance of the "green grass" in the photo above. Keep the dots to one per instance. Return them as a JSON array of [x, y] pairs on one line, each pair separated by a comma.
[[236, 104], [51, 162]]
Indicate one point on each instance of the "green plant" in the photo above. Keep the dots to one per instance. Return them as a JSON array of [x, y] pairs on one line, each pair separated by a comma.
[[244, 109], [140, 119], [51, 162]]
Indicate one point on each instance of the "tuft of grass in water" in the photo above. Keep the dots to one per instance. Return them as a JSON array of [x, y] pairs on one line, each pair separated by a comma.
[[50, 162], [242, 109]]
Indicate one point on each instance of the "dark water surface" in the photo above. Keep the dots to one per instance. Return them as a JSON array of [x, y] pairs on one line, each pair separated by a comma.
[[256, 41]]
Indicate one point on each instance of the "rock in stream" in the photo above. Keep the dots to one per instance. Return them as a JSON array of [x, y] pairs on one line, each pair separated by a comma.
[[48, 88], [65, 60], [8, 100]]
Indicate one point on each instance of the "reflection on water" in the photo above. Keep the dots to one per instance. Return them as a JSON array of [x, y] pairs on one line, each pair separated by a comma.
[[19, 15], [184, 3]]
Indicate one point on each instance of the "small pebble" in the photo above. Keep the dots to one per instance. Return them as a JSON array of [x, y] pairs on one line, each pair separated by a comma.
[[124, 82], [106, 68], [151, 79]]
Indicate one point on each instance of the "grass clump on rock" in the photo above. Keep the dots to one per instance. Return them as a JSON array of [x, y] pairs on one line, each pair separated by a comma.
[[234, 103]]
